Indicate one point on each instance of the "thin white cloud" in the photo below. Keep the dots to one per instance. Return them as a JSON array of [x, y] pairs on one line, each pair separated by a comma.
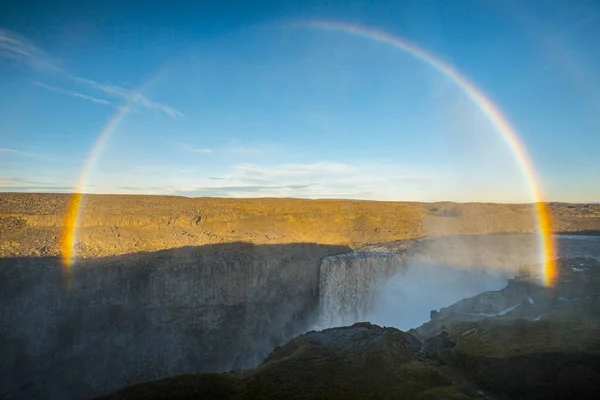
[[308, 180], [184, 147], [128, 95], [325, 179], [292, 170], [17, 152], [201, 150], [333, 179], [160, 169], [25, 185], [16, 48], [72, 93], [237, 148]]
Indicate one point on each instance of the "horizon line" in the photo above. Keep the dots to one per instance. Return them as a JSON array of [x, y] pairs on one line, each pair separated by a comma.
[[302, 198]]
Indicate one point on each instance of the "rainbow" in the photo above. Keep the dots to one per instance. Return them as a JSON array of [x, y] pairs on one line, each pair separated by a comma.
[[69, 231], [486, 105], [491, 111], [67, 241]]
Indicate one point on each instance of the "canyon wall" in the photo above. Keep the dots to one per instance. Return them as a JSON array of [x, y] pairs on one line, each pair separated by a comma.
[[118, 320], [114, 321], [168, 285]]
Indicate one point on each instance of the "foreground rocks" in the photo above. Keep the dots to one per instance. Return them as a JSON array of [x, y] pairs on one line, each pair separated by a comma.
[[526, 341], [521, 342], [363, 361]]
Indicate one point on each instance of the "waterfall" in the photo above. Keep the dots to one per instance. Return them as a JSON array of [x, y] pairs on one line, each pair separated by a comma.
[[349, 285], [397, 286]]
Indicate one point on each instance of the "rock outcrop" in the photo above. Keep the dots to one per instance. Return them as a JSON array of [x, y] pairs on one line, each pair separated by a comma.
[[363, 361]]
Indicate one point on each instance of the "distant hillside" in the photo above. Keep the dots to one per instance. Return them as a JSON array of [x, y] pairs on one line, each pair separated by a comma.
[[31, 224]]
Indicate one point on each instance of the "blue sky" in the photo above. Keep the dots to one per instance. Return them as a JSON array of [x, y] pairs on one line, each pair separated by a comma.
[[243, 99]]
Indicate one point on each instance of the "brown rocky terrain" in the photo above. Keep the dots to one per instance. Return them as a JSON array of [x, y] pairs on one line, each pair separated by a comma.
[[30, 224]]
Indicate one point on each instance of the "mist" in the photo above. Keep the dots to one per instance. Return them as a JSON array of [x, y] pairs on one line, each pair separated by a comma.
[[406, 300], [399, 288]]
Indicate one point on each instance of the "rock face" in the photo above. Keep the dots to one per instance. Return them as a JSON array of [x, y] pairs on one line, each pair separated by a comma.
[[125, 319], [115, 321], [473, 355], [363, 361]]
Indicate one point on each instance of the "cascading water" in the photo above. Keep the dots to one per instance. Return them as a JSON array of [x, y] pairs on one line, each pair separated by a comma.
[[400, 288], [349, 285]]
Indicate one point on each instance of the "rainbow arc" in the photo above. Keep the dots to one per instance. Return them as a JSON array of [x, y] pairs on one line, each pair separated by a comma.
[[500, 122]]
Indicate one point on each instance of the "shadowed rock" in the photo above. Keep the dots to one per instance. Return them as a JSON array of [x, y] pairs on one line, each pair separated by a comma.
[[363, 361]]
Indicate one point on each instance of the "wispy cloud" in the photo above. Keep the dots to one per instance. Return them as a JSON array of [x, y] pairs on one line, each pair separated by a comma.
[[245, 190], [128, 95], [72, 93], [25, 185], [16, 48], [237, 148], [313, 180], [51, 189], [18, 152], [184, 147], [152, 168], [322, 179], [200, 150], [137, 189], [293, 170]]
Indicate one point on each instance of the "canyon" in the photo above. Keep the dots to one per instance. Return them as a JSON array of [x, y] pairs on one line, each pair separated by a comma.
[[165, 286]]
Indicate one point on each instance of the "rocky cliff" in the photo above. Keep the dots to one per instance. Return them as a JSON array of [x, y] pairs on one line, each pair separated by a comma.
[[123, 319], [161, 286], [491, 346]]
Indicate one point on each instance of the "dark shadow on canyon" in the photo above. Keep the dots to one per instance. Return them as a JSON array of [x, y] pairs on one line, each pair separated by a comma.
[[115, 321], [118, 320]]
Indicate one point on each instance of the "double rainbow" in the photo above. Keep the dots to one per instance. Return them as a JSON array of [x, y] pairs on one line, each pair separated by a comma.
[[484, 103]]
